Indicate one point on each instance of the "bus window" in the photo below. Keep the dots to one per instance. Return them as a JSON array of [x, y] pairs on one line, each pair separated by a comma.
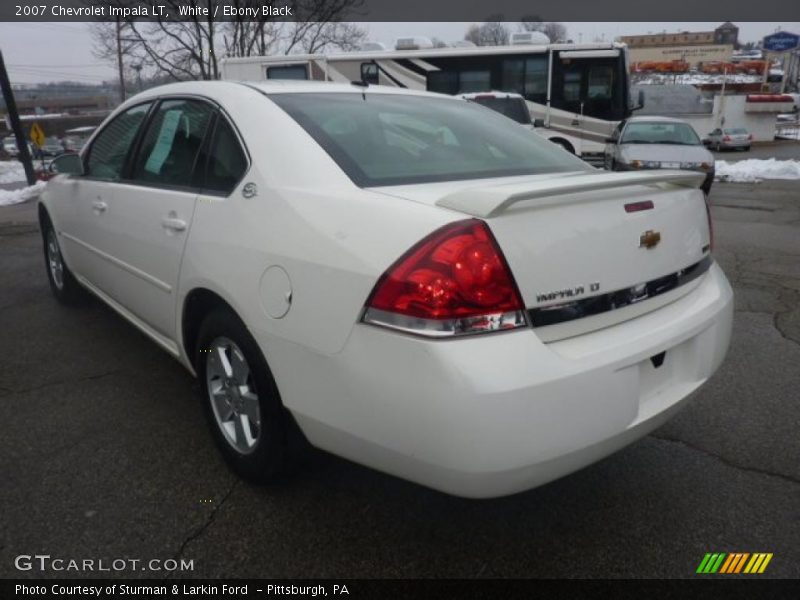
[[536, 79], [474, 81], [287, 72], [369, 72], [526, 76], [601, 82], [443, 82], [572, 85]]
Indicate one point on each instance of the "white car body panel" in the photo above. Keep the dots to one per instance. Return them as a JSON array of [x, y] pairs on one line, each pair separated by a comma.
[[480, 416]]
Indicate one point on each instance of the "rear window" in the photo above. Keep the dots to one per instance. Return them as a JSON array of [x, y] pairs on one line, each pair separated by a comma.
[[736, 131], [513, 108], [392, 139]]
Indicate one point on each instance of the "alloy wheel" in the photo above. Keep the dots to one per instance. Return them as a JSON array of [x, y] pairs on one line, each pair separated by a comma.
[[233, 396], [54, 260]]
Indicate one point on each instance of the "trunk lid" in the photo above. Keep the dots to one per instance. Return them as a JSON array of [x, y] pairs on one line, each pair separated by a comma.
[[581, 259]]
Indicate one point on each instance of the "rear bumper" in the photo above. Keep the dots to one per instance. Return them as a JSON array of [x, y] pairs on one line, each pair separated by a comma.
[[497, 414]]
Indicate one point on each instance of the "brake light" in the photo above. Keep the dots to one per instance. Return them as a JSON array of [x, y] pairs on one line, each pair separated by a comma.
[[727, 138], [455, 281]]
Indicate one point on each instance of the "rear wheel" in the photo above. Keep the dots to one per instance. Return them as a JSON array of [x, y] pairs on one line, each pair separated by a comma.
[[62, 283], [241, 399]]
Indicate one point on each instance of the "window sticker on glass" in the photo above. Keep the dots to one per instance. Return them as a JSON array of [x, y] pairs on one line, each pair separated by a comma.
[[166, 136]]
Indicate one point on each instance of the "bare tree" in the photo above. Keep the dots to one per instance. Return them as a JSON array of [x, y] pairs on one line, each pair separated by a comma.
[[493, 32], [111, 43], [190, 47], [317, 26], [556, 32]]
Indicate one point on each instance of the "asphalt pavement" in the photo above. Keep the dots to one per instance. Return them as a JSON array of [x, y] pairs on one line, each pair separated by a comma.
[[105, 452]]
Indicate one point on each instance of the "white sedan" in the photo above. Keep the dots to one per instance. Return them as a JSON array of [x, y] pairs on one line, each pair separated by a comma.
[[417, 283]]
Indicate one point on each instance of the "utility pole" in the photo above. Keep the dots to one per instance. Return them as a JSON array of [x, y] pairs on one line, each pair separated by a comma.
[[119, 61], [16, 126]]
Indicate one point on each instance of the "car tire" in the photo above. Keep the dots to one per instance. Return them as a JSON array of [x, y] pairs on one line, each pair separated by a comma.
[[241, 399], [63, 284]]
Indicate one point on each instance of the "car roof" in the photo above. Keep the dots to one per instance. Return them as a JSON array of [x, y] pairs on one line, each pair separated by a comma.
[[654, 119], [214, 89]]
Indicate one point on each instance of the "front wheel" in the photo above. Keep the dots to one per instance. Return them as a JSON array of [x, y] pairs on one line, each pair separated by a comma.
[[62, 283], [241, 398]]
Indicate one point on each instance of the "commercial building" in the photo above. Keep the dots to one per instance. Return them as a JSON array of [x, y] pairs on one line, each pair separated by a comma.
[[692, 47]]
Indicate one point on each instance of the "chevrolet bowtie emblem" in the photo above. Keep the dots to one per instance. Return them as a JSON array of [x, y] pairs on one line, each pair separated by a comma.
[[649, 239]]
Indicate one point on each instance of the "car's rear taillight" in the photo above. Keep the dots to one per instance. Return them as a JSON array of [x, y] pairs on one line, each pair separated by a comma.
[[455, 281], [727, 138]]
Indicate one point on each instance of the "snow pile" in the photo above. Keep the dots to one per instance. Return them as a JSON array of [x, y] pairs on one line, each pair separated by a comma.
[[755, 169], [8, 197], [11, 171]]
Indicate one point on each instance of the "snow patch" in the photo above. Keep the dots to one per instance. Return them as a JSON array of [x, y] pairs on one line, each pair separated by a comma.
[[754, 170], [11, 171], [8, 197]]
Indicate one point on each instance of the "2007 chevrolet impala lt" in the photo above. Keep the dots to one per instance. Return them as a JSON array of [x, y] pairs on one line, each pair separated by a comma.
[[415, 281]]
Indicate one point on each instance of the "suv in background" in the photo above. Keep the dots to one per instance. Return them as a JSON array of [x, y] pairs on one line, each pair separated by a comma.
[[508, 104]]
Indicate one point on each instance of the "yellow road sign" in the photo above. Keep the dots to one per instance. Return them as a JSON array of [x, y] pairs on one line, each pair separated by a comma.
[[37, 135]]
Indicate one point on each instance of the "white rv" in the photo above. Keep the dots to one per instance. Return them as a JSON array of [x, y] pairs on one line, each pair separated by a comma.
[[577, 92]]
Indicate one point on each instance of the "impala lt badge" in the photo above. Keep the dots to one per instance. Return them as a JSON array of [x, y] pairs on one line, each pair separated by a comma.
[[649, 239]]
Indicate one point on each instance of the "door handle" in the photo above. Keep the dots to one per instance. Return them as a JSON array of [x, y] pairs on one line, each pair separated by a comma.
[[98, 206], [173, 224]]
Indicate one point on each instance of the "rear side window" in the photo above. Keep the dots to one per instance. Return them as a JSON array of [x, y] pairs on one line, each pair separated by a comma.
[[172, 143], [110, 148], [227, 161]]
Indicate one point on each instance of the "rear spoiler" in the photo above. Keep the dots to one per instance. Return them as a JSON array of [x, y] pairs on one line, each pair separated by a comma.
[[490, 201]]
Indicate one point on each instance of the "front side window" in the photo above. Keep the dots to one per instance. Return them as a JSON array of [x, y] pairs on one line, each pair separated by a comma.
[[172, 143], [110, 148], [393, 139]]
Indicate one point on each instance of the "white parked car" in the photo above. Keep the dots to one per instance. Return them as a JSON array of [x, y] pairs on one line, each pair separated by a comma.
[[417, 283]]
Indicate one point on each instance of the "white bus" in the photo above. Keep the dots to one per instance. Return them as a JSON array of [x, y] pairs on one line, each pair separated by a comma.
[[577, 93]]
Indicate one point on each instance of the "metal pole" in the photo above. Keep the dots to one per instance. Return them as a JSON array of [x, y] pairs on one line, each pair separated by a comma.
[[119, 61], [16, 126]]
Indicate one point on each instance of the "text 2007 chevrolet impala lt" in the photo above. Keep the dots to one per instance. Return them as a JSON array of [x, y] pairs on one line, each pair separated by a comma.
[[415, 281]]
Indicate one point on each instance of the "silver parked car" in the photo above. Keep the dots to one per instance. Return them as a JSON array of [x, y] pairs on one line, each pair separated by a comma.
[[658, 143], [729, 139]]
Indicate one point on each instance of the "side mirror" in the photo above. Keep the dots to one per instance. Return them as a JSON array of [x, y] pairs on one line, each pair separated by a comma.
[[640, 101], [67, 164], [538, 122]]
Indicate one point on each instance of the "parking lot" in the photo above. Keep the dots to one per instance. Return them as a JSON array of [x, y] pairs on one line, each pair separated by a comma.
[[105, 452]]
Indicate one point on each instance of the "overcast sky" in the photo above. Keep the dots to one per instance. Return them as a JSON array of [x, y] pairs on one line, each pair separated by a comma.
[[41, 52]]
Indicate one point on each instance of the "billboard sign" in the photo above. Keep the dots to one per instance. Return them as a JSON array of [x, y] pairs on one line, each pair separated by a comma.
[[782, 41]]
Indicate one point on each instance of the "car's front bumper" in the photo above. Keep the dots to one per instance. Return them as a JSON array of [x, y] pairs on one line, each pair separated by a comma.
[[495, 414]]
